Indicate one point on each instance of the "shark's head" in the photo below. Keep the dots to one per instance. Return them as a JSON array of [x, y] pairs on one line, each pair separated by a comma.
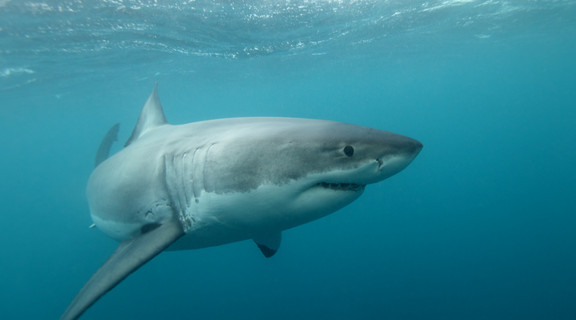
[[348, 157], [315, 166]]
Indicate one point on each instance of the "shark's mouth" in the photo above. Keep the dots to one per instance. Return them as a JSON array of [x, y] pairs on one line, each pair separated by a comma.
[[342, 186]]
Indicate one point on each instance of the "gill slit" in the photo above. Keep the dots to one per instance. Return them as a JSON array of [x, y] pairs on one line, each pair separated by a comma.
[[178, 179], [205, 179]]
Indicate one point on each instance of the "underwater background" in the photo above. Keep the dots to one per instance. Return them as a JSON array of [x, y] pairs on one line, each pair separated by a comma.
[[482, 225]]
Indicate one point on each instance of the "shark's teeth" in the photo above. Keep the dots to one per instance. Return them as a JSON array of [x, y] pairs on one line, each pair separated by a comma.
[[342, 186]]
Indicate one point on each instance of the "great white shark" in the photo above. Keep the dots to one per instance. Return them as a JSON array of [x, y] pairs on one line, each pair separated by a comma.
[[209, 183]]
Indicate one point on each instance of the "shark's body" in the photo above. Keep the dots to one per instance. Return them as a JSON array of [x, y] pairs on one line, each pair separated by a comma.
[[215, 182]]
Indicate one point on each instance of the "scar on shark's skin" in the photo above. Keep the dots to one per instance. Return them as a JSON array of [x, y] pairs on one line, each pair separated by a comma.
[[202, 184]]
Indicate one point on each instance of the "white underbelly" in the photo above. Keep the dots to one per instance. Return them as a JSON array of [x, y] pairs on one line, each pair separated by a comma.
[[223, 218]]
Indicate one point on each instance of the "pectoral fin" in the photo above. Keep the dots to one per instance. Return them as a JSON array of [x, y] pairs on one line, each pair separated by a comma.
[[268, 243], [130, 255]]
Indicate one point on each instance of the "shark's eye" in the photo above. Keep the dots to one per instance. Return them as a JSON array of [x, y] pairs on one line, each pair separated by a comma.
[[349, 151]]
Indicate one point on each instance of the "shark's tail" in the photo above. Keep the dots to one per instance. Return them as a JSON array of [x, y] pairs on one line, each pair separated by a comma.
[[106, 144]]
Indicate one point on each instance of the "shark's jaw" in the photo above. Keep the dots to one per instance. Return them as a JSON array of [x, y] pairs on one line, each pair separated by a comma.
[[355, 180], [351, 187], [327, 192]]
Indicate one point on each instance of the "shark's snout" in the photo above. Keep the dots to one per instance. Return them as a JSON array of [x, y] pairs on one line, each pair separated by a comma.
[[410, 149], [405, 147], [413, 147], [397, 154]]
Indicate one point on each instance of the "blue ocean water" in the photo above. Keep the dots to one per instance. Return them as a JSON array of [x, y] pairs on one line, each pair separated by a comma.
[[481, 226]]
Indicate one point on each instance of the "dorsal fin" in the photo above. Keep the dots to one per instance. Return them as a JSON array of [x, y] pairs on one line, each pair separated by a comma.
[[106, 144], [151, 116]]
